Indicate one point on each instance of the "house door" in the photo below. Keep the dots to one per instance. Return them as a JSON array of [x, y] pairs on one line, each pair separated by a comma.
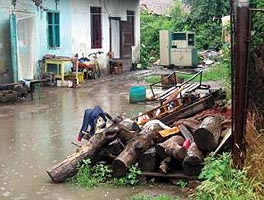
[[23, 45], [126, 44], [115, 36]]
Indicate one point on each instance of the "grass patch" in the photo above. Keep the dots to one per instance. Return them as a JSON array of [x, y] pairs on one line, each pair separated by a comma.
[[214, 73]]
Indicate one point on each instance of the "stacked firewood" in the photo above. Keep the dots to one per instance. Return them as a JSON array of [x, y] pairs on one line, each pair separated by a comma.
[[124, 143]]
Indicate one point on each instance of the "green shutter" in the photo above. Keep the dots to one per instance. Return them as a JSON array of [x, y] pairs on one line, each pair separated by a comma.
[[53, 20]]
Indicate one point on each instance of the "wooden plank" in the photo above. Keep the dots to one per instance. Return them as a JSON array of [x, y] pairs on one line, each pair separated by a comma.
[[179, 175], [189, 110]]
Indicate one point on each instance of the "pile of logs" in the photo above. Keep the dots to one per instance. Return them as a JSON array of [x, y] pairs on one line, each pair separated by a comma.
[[124, 143]]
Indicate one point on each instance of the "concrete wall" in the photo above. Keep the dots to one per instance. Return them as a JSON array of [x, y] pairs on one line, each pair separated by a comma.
[[74, 29]]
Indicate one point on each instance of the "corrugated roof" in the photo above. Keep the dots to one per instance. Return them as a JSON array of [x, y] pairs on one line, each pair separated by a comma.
[[156, 6]]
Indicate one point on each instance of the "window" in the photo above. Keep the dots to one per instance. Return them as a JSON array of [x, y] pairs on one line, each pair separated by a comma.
[[131, 18], [96, 27], [53, 19]]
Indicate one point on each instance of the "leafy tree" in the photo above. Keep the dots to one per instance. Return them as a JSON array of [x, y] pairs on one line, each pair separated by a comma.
[[257, 23], [205, 20], [150, 27]]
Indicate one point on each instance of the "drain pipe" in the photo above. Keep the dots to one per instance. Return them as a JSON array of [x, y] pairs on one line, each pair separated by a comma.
[[240, 80]]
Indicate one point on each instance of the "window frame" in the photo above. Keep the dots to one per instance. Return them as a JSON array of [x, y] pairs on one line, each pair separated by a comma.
[[96, 27], [54, 29]]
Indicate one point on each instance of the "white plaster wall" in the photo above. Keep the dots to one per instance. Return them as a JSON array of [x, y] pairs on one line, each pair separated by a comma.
[[80, 27], [74, 28]]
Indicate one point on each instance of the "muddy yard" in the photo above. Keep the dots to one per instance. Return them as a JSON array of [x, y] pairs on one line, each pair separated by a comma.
[[36, 134]]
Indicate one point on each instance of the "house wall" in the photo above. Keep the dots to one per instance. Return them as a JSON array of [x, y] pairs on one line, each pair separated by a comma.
[[74, 29], [81, 41], [5, 58]]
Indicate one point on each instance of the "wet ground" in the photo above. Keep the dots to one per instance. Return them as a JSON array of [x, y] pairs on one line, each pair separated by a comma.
[[36, 134]]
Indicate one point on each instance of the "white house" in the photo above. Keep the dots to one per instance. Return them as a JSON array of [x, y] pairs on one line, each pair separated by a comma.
[[30, 29]]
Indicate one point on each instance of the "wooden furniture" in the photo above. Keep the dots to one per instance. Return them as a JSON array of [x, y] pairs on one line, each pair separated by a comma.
[[116, 66], [60, 67], [36, 84]]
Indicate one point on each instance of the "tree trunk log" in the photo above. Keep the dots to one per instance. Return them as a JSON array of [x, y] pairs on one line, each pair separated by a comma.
[[145, 140], [148, 161], [207, 135], [68, 167], [164, 165], [194, 156], [128, 130], [108, 153], [172, 147], [192, 170]]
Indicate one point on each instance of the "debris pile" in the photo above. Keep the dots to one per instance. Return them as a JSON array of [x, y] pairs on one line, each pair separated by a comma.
[[170, 140]]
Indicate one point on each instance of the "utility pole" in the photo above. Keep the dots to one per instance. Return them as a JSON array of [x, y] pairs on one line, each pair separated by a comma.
[[240, 80]]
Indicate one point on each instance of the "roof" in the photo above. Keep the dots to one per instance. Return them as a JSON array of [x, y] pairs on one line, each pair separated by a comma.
[[156, 6]]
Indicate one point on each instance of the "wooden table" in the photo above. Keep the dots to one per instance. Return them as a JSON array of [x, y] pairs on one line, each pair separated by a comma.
[[60, 64]]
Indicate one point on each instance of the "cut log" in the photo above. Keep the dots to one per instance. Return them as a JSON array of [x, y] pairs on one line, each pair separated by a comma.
[[145, 140], [108, 153], [207, 135], [194, 156], [193, 162], [68, 167], [192, 170], [164, 165], [172, 147], [148, 161], [128, 130]]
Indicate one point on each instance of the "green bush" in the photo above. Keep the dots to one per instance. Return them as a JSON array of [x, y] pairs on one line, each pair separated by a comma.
[[222, 182]]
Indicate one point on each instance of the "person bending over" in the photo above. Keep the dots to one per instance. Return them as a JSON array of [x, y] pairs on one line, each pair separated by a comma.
[[92, 117]]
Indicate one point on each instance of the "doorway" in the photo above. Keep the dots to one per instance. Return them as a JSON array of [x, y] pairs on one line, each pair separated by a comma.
[[23, 45]]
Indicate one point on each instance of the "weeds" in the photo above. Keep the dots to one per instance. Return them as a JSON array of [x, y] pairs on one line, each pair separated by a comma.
[[90, 176], [254, 162], [222, 182], [131, 177]]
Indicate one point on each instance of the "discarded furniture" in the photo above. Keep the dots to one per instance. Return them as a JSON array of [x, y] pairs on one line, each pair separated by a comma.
[[187, 86], [59, 66], [178, 49], [34, 85], [50, 79], [180, 110], [115, 64]]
